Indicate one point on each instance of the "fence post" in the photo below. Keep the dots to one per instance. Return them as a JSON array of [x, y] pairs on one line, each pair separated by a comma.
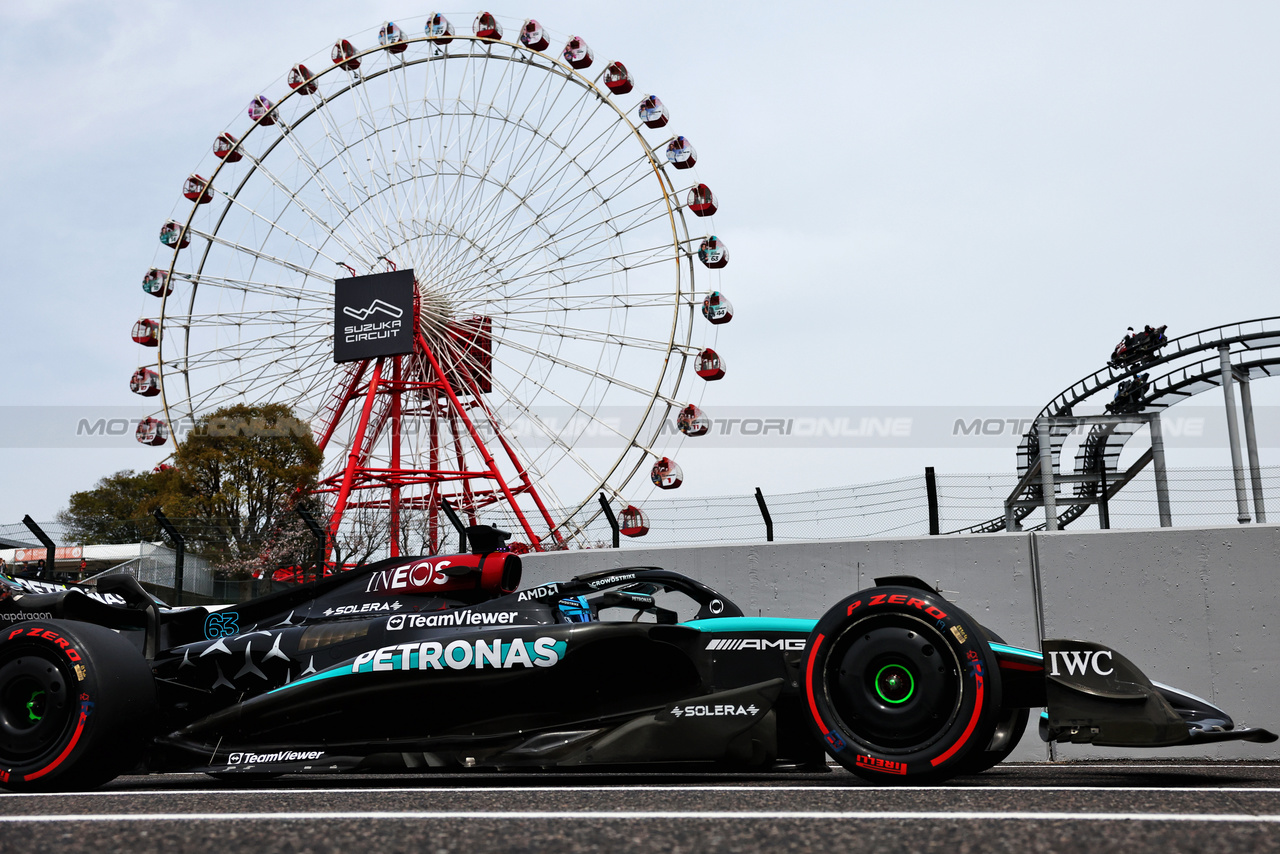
[[1233, 434], [1161, 473], [931, 490], [322, 539], [50, 549], [764, 511], [1046, 475], [613, 522], [1104, 507], [1251, 447], [179, 552]]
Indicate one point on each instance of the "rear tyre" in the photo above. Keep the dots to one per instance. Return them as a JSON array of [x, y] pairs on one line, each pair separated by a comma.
[[902, 686], [76, 706]]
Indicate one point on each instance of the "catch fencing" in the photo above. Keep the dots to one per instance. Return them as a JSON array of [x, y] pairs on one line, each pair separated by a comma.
[[150, 562], [900, 508], [897, 508]]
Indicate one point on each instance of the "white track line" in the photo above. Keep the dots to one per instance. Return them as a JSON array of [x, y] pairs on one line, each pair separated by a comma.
[[312, 817], [623, 787]]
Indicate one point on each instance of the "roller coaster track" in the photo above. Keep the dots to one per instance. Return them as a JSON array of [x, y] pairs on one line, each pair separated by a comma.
[[1190, 364]]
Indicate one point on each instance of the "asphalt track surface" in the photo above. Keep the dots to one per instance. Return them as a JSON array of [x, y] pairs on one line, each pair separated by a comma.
[[1082, 807]]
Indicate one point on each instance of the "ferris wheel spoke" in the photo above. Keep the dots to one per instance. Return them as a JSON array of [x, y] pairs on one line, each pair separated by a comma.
[[593, 335], [483, 182], [241, 348], [403, 100], [590, 267], [573, 204], [394, 171], [332, 194], [557, 440], [253, 317], [297, 200], [554, 436], [515, 169], [543, 205], [545, 136], [455, 354], [262, 256], [586, 409], [371, 141], [417, 202], [609, 226], [222, 393], [340, 151], [600, 149], [274, 375], [272, 225], [367, 233], [246, 286], [609, 299], [371, 201], [562, 232], [533, 137], [319, 387], [442, 262], [522, 122], [574, 366], [439, 139], [479, 132], [270, 381], [576, 117], [542, 304], [587, 270], [551, 176], [256, 381], [237, 350], [471, 218]]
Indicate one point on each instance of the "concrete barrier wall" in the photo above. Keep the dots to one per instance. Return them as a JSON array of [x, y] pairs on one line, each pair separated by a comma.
[[1198, 608]]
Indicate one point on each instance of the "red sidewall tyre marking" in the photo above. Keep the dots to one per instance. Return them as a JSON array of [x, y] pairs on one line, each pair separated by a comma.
[[71, 745]]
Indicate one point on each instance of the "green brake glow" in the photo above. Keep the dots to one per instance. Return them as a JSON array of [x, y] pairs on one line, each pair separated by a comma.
[[893, 683], [31, 706]]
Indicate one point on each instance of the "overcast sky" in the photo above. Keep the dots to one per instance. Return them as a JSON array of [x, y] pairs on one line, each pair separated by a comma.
[[928, 204]]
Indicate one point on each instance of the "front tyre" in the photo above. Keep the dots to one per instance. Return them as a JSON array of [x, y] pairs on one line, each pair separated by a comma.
[[1010, 726], [76, 705], [902, 686]]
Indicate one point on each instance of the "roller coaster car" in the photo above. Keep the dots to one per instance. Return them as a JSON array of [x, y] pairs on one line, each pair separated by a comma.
[[1139, 348], [433, 663], [1128, 397]]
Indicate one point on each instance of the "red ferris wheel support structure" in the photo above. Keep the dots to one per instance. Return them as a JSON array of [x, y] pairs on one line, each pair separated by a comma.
[[442, 385]]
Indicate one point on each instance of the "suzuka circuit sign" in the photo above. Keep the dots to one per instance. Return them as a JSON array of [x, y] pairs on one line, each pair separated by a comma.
[[373, 316]]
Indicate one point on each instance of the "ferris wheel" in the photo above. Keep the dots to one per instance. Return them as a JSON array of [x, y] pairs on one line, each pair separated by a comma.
[[553, 226]]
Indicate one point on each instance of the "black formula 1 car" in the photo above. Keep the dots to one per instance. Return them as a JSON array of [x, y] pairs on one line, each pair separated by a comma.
[[431, 663]]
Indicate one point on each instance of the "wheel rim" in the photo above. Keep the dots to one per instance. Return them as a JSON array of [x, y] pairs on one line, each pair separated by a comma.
[[894, 683], [35, 711]]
